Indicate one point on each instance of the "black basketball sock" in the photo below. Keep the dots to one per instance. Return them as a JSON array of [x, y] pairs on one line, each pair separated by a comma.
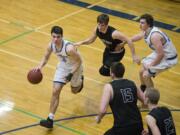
[[143, 87]]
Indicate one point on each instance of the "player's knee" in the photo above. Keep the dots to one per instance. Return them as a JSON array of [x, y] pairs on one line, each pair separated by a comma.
[[105, 71], [56, 92], [57, 87]]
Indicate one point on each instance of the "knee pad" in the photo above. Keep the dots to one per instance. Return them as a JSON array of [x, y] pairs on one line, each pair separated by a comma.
[[143, 87], [104, 71]]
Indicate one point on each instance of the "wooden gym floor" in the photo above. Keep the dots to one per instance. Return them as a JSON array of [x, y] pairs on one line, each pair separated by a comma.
[[24, 35]]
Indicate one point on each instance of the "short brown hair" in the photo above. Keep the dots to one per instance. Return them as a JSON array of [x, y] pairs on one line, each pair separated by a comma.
[[103, 18], [149, 19], [153, 95], [57, 30], [117, 69]]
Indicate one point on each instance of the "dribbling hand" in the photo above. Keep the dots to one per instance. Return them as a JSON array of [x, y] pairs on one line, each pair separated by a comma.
[[38, 68], [145, 132]]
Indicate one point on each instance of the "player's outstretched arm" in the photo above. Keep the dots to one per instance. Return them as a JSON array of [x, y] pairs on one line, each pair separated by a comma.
[[137, 37], [44, 59], [87, 41], [118, 35], [72, 52]]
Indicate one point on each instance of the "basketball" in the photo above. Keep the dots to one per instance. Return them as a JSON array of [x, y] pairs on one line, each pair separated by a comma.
[[34, 77]]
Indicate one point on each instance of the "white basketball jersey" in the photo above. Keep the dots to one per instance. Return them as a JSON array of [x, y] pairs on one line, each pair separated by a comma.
[[61, 53], [168, 47]]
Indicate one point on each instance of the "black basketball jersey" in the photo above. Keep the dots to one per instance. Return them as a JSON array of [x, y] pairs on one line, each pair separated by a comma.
[[164, 121], [124, 103], [107, 39]]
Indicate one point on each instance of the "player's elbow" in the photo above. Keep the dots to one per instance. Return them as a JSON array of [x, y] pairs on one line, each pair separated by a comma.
[[132, 40], [90, 42]]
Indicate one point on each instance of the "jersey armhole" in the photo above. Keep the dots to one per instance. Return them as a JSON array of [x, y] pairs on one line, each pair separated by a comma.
[[161, 35], [50, 46], [66, 48], [112, 92]]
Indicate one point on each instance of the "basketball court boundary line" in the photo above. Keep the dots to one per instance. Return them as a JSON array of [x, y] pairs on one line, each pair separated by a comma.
[[69, 15], [16, 36], [62, 119], [36, 124]]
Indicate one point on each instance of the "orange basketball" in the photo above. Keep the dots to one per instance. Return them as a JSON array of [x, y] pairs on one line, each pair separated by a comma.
[[34, 77]]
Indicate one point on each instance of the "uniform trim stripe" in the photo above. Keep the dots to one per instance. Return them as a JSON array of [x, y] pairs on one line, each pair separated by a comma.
[[59, 82], [151, 73], [172, 57]]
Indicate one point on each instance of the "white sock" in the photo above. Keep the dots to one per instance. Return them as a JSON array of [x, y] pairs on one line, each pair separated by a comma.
[[51, 116]]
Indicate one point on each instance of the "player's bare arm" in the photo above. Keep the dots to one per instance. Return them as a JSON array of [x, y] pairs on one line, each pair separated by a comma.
[[156, 40], [152, 125], [137, 37], [74, 55], [140, 95], [118, 35], [87, 41], [44, 59], [106, 97]]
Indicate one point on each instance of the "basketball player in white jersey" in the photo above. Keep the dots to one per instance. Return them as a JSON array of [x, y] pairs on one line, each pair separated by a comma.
[[68, 70], [164, 54]]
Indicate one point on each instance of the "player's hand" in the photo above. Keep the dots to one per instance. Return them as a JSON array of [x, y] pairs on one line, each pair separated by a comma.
[[69, 77], [145, 132], [77, 44], [136, 59], [38, 68], [98, 120], [123, 43]]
